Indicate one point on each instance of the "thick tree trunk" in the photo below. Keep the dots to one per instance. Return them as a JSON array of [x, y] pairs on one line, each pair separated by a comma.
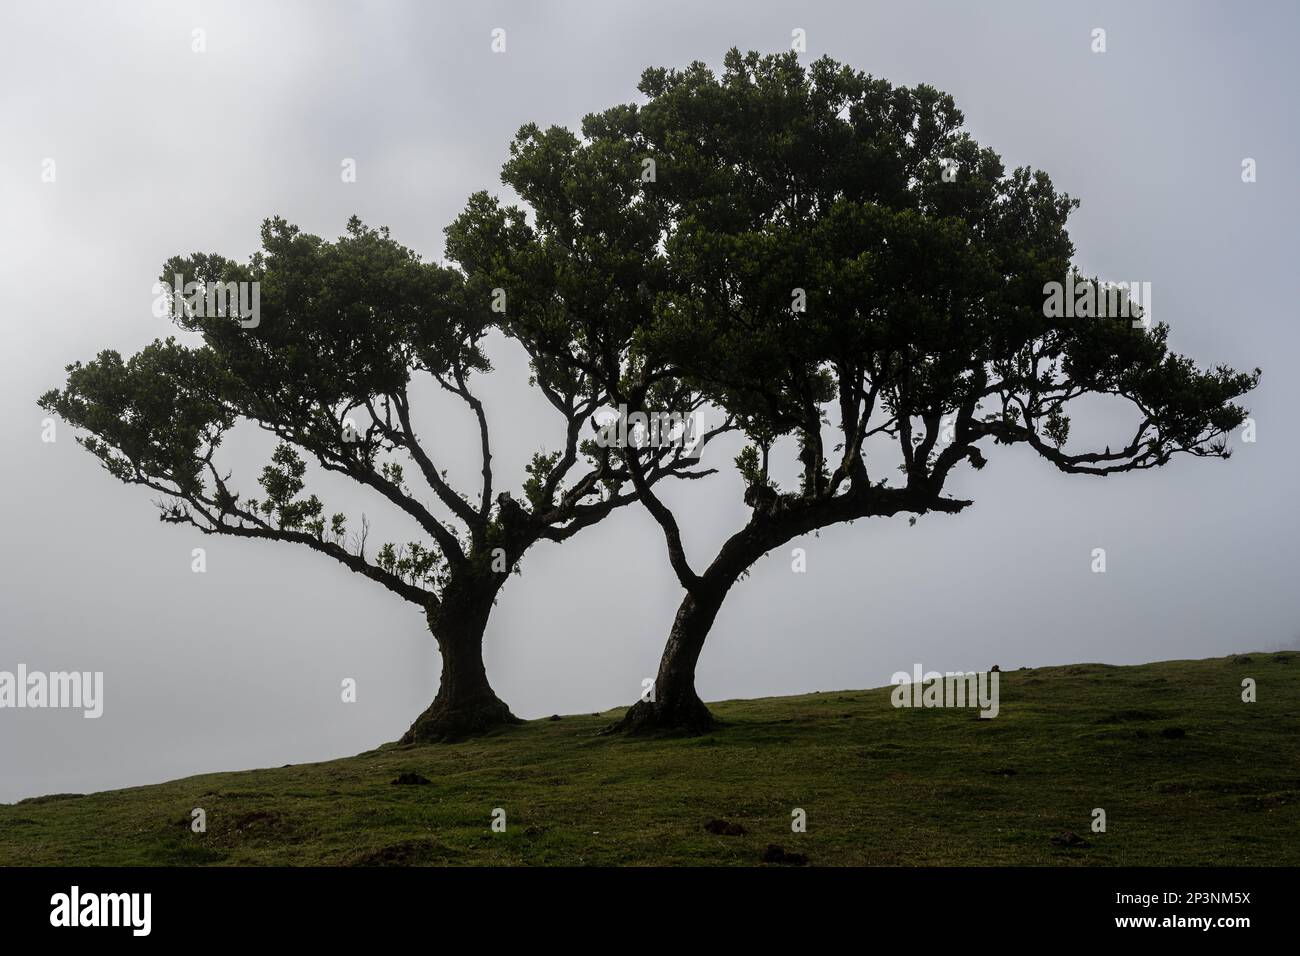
[[777, 519], [675, 705], [466, 705]]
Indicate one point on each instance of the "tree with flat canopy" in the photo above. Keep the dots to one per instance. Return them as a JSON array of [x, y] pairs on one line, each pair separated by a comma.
[[859, 287], [344, 330]]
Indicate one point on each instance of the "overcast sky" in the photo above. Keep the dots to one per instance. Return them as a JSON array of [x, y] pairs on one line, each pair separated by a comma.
[[159, 150]]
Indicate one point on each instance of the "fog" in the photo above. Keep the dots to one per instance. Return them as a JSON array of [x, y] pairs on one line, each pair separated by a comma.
[[160, 150]]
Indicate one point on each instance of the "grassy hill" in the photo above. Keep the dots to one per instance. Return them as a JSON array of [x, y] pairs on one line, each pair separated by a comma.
[[881, 786]]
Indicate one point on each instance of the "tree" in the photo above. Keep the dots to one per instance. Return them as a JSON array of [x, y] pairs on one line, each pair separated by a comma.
[[326, 363], [849, 276]]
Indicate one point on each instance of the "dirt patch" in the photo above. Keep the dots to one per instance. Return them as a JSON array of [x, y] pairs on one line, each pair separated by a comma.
[[777, 854], [259, 823], [1069, 838], [725, 828], [411, 779], [254, 817], [405, 853]]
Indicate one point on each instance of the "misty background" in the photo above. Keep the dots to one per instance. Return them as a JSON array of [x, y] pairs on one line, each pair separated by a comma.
[[160, 150]]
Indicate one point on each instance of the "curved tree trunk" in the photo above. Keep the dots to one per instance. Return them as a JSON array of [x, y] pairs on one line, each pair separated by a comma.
[[466, 705], [675, 705]]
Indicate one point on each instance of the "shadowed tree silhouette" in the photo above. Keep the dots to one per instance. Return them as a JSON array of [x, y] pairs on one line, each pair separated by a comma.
[[342, 330], [860, 286]]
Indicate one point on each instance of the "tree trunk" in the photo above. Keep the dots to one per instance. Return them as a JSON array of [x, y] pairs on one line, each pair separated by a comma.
[[675, 705], [466, 705]]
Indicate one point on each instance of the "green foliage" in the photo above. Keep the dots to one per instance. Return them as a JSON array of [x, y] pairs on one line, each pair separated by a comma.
[[412, 562], [1057, 427], [341, 323], [156, 415], [341, 328], [392, 472], [781, 186], [747, 463], [282, 481], [777, 239], [538, 470]]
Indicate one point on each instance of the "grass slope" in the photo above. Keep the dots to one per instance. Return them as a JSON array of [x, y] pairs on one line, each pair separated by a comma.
[[881, 786]]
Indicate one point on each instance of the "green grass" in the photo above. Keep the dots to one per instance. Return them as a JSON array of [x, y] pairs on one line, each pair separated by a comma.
[[881, 786]]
